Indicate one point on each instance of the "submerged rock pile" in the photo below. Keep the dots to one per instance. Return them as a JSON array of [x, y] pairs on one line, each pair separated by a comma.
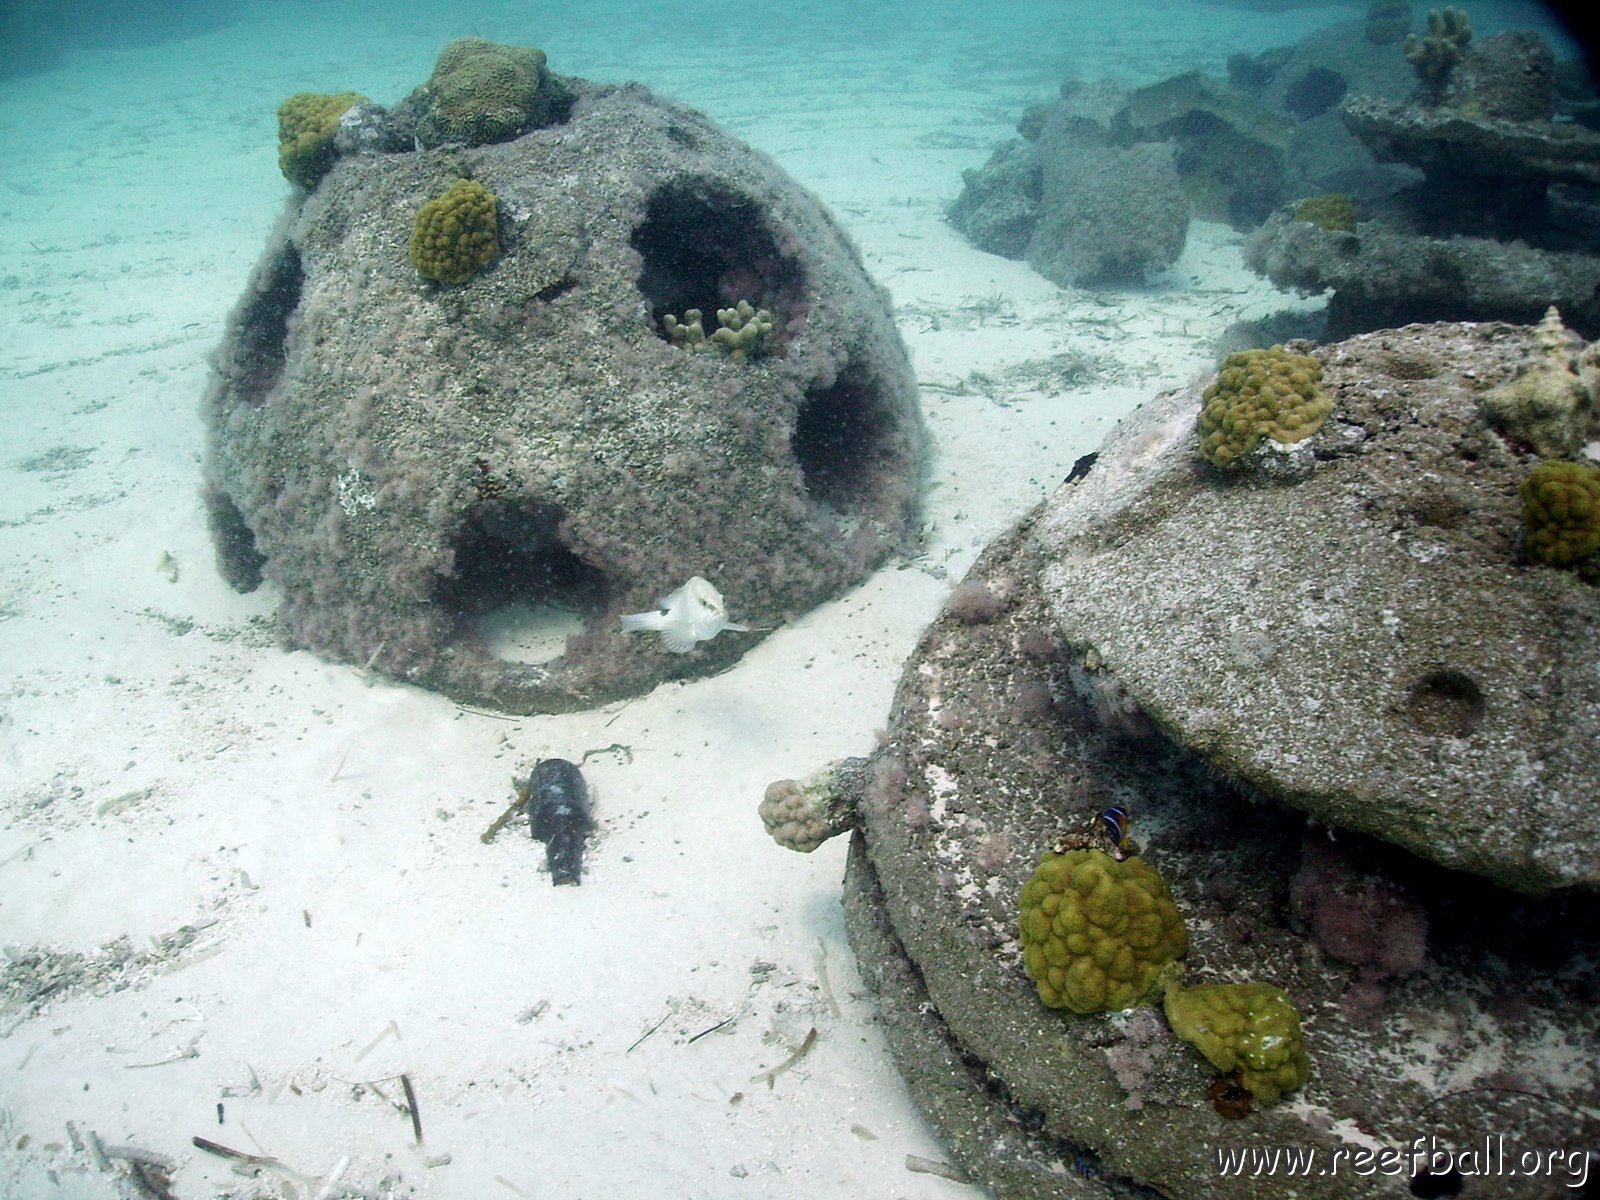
[[1504, 221]]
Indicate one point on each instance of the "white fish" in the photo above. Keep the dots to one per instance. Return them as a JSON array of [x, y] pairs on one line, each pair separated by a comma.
[[692, 614]]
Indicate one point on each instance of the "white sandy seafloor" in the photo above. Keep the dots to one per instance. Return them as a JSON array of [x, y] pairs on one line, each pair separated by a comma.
[[242, 890]]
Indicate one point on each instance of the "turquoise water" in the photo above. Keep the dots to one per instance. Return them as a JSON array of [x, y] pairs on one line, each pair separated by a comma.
[[162, 759], [95, 106]]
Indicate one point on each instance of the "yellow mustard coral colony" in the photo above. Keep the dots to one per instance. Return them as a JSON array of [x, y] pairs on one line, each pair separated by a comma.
[[1098, 934], [307, 122], [1260, 394], [1561, 505], [454, 234], [1249, 1028]]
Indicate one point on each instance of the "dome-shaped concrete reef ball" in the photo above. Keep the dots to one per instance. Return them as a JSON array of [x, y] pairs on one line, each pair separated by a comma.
[[452, 423]]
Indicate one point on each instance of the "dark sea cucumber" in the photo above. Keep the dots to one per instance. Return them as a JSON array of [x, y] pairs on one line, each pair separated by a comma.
[[558, 815]]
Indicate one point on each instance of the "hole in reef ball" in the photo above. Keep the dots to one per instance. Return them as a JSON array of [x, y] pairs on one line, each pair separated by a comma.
[[513, 553], [839, 437], [703, 245], [1430, 1183], [1445, 704]]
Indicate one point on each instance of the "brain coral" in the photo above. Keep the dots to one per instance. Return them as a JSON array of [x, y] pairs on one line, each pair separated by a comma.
[[482, 92], [1098, 934], [454, 235], [307, 122], [1261, 394], [1251, 1028], [1561, 504]]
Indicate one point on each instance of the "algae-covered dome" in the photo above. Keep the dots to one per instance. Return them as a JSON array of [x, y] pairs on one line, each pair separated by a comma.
[[449, 422]]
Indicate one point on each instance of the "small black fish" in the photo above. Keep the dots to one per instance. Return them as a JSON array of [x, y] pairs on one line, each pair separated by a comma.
[[557, 803]]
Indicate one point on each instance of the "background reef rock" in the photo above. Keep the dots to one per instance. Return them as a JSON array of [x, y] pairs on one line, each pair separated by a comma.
[[1383, 273], [463, 486], [1236, 148], [1355, 734], [1504, 221], [1305, 84], [1107, 214]]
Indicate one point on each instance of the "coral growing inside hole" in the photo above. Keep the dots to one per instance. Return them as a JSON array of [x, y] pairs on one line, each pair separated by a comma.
[[705, 246], [742, 331]]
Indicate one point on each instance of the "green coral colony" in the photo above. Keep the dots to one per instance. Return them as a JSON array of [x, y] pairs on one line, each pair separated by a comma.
[[1248, 1028], [1561, 504], [454, 234], [307, 122], [1098, 934], [483, 92], [1101, 933], [1261, 394]]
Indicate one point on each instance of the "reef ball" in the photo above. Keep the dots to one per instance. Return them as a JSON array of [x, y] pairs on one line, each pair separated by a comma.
[[464, 484]]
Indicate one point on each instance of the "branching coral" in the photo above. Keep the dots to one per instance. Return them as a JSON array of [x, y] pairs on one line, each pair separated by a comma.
[[454, 234], [1435, 54], [1249, 1028], [1561, 504], [1099, 934], [482, 92], [307, 122], [741, 332], [1261, 394]]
